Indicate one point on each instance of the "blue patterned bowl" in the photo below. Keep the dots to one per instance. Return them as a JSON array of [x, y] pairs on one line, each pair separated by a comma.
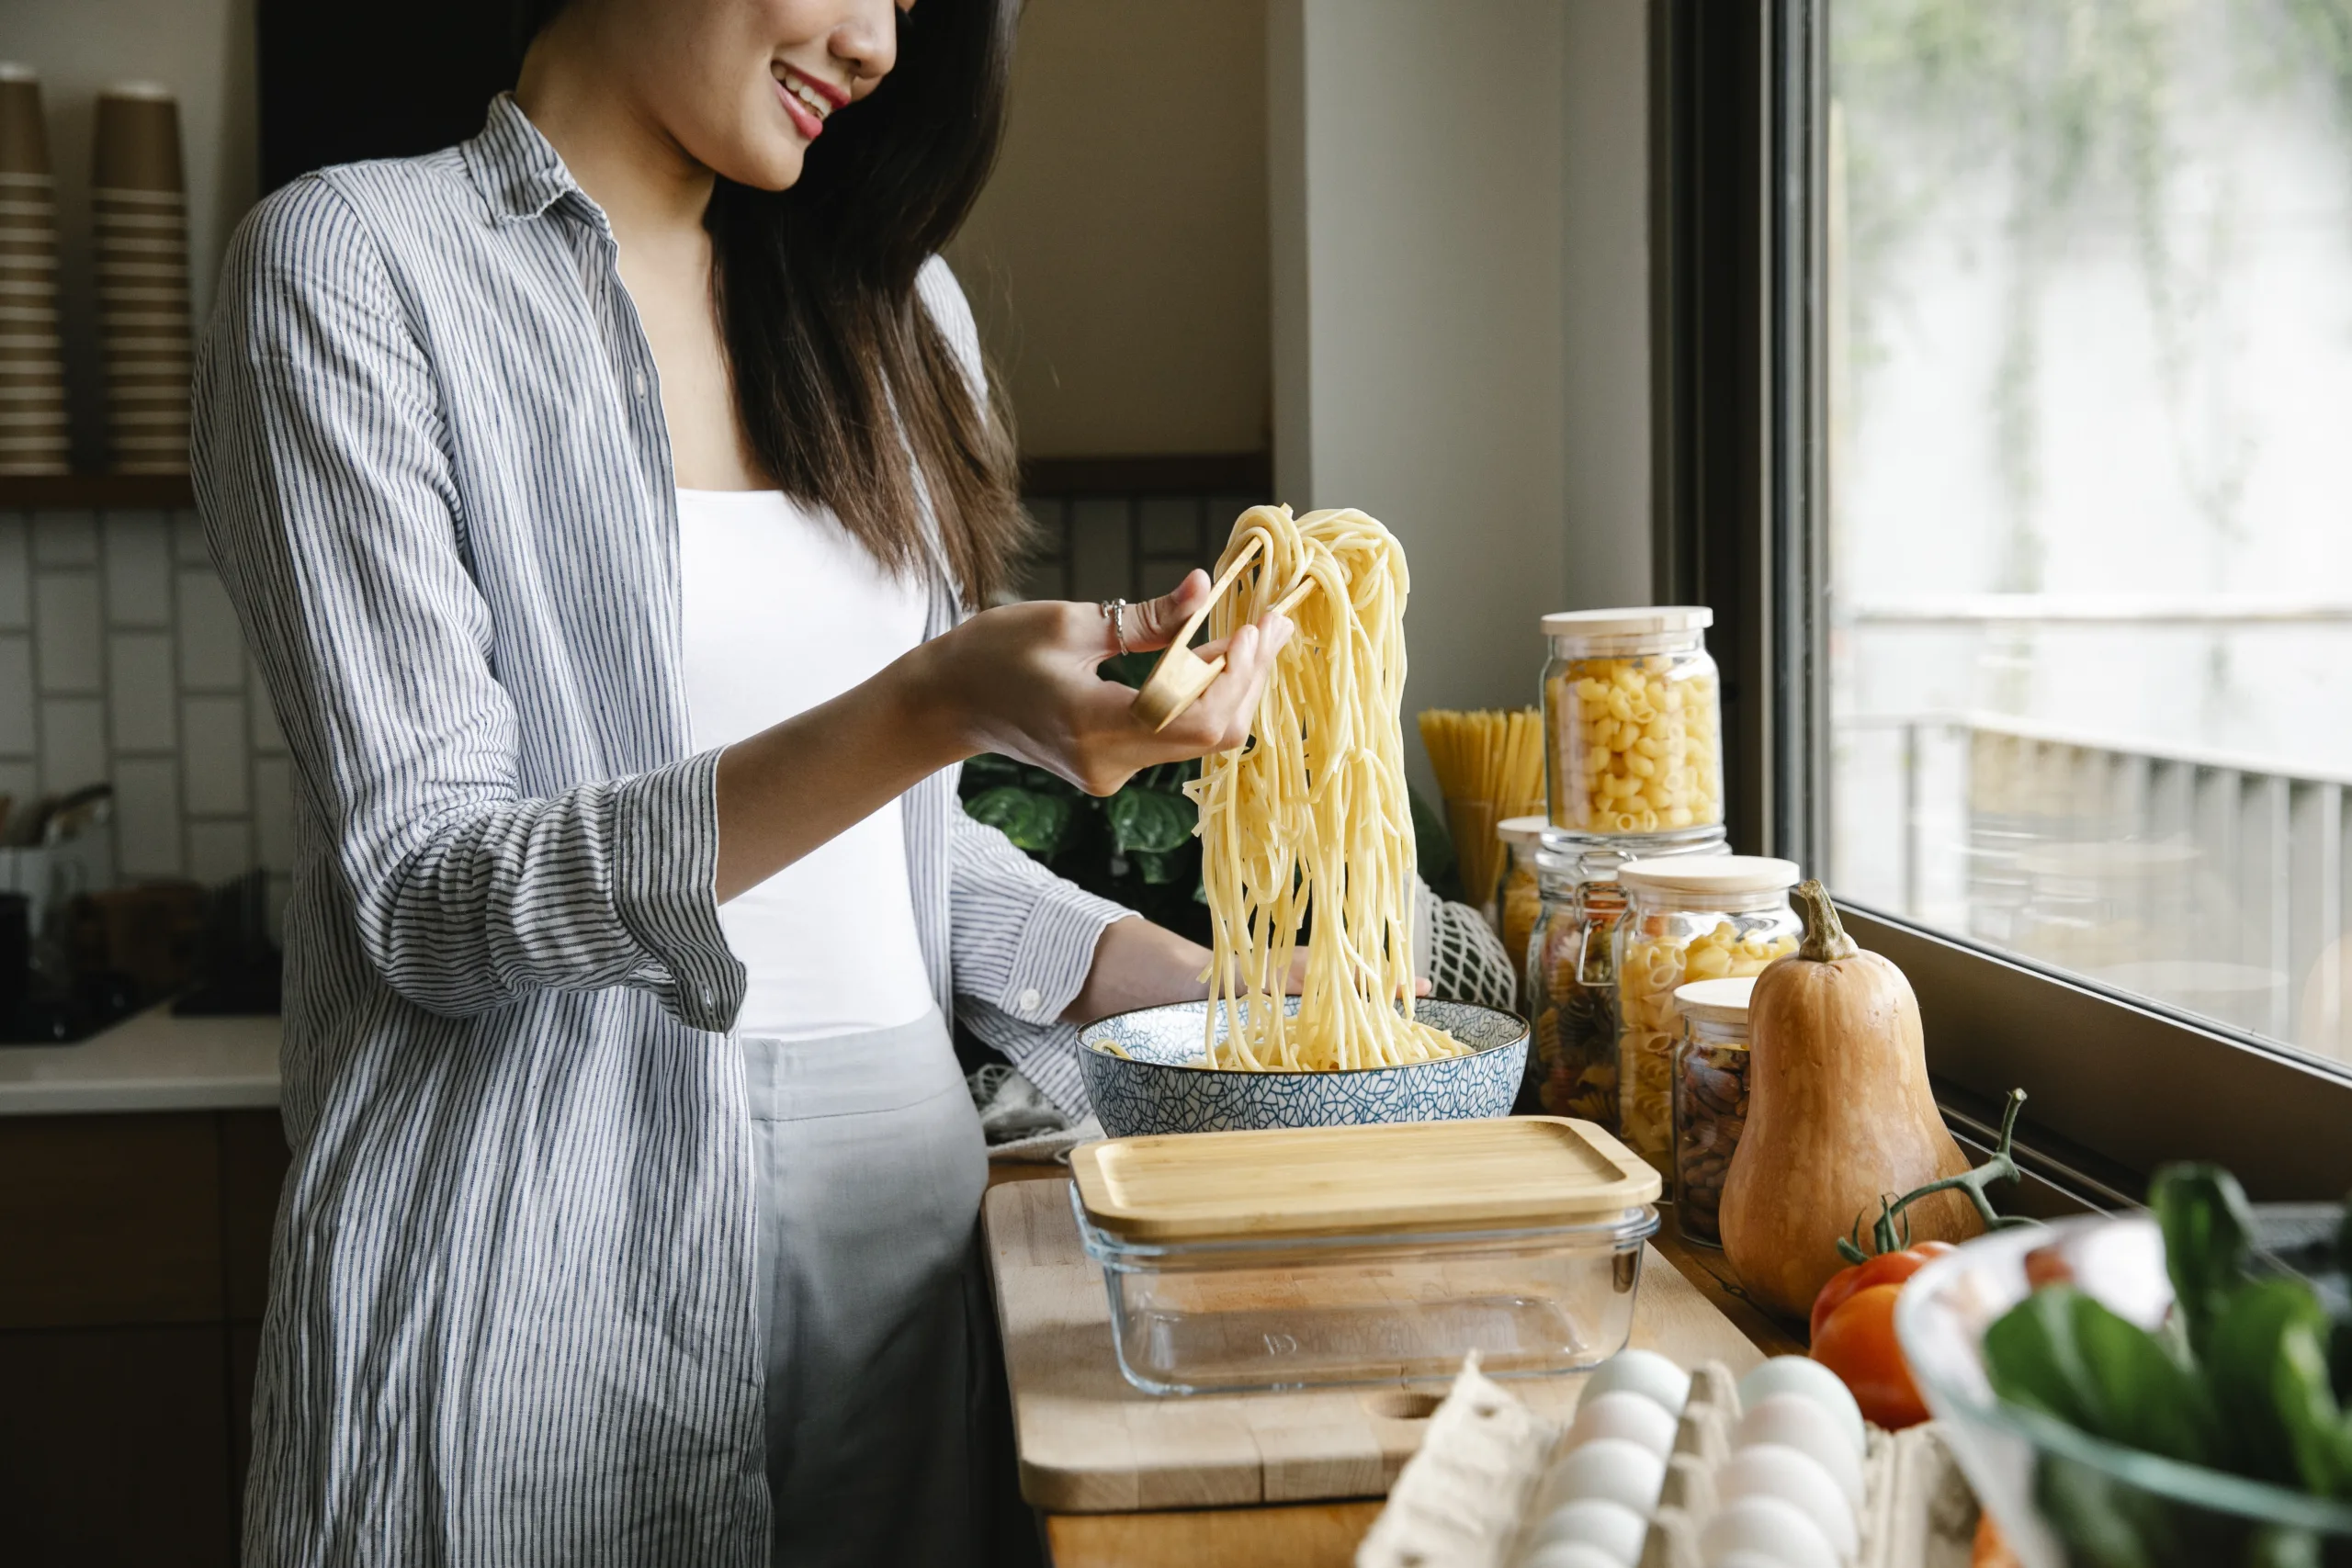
[[1151, 1090]]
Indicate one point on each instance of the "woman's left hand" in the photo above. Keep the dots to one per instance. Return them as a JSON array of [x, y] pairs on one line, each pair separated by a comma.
[[1139, 965]]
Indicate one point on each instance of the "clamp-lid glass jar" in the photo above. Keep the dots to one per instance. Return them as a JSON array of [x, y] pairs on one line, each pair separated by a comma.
[[1710, 1099], [1571, 975], [1632, 721], [1685, 920], [1520, 900]]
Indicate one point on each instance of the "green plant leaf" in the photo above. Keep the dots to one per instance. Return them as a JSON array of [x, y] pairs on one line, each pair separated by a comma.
[[1150, 821], [2031, 1359], [2268, 1365], [1159, 870], [2207, 1233], [1033, 821], [2142, 1396]]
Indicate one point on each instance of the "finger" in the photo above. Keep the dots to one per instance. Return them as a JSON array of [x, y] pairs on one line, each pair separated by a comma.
[[1219, 719], [1154, 623]]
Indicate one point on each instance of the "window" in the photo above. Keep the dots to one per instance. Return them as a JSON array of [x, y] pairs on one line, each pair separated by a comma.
[[2087, 342], [1996, 351]]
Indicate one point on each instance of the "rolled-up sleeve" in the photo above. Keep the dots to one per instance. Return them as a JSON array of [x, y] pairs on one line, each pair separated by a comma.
[[327, 494], [1024, 941]]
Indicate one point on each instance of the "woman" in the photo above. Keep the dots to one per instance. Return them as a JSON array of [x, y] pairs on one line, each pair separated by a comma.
[[605, 499]]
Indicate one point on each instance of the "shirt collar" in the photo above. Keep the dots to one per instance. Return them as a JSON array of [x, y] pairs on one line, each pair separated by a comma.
[[517, 170]]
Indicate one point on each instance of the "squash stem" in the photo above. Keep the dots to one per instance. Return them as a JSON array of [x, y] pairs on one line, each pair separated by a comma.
[[1824, 935]]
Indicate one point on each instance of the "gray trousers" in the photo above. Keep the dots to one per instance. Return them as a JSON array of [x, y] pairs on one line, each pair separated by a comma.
[[869, 1166]]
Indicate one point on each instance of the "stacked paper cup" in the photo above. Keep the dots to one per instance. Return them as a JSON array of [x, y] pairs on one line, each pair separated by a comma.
[[140, 207], [32, 367]]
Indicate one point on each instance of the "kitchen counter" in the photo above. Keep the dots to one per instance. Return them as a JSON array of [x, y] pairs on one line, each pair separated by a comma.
[[151, 1061]]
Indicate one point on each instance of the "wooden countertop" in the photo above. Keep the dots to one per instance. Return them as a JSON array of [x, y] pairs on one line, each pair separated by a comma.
[[1316, 1535]]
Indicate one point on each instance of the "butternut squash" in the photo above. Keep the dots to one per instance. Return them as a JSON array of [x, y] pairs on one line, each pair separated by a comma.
[[1839, 1116]]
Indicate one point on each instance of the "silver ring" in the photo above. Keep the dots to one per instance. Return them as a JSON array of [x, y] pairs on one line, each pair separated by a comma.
[[1118, 610]]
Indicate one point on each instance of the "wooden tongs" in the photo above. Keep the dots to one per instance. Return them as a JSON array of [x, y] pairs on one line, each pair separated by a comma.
[[1182, 675]]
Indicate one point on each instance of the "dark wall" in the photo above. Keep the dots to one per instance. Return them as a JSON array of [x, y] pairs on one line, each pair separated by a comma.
[[339, 82]]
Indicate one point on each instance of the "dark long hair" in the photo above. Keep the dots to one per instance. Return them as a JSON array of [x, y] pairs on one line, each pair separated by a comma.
[[839, 371]]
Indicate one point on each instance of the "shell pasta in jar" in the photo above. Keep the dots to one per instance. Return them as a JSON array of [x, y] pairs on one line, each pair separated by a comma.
[[1632, 721], [1700, 919]]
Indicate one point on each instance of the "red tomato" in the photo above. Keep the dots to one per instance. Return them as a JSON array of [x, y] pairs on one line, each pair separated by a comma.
[[1886, 1268], [1857, 1344]]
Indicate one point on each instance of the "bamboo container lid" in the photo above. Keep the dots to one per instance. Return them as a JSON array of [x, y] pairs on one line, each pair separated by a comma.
[[139, 202], [34, 438], [1502, 1173]]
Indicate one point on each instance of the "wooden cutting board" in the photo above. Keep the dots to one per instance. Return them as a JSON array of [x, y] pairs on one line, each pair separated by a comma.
[[1091, 1443]]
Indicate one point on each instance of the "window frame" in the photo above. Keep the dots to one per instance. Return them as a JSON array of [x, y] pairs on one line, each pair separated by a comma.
[[1739, 237]]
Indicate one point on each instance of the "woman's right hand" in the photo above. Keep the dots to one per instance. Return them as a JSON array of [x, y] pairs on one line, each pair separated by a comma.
[[1024, 680]]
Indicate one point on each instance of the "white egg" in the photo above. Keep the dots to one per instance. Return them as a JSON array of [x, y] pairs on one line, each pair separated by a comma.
[[1645, 1372], [1569, 1554], [1611, 1468], [1612, 1528], [1793, 1421], [1797, 1374], [1779, 1532], [1622, 1413], [1773, 1470]]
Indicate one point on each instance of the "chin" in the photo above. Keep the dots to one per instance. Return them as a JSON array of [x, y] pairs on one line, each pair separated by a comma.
[[769, 163]]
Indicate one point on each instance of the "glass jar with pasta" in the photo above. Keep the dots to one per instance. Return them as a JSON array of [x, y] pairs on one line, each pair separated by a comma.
[[1685, 920], [1710, 1101], [1521, 900], [1632, 721], [1571, 977]]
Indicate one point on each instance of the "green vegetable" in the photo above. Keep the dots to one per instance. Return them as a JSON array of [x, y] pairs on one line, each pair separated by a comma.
[[2207, 1233], [2270, 1373], [2062, 1352], [2248, 1375]]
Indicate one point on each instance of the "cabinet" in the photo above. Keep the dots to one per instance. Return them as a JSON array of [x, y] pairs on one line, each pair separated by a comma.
[[134, 1265]]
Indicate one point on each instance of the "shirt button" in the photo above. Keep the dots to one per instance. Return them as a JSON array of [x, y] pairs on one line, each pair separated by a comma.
[[639, 383], [708, 998], [1031, 999]]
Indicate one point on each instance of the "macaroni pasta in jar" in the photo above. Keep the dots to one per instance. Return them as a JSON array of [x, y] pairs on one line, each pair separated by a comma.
[[1685, 921], [1571, 975], [1632, 721]]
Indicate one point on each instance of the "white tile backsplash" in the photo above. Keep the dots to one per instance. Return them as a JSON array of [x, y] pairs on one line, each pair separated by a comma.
[[141, 696], [212, 651], [219, 851], [187, 540], [73, 743], [213, 750], [147, 817], [18, 737], [65, 538], [67, 632], [274, 812], [15, 572], [268, 740], [139, 568]]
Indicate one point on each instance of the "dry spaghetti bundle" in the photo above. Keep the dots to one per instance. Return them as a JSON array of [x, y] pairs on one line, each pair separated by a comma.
[[1490, 766], [1313, 814]]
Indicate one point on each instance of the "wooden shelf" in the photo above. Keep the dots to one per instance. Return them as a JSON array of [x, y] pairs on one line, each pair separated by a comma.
[[71, 492]]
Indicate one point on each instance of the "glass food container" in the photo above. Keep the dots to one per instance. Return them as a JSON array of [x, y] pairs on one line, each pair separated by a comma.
[[1685, 920], [1374, 1253], [1632, 721], [1571, 975], [1710, 1101], [1521, 901]]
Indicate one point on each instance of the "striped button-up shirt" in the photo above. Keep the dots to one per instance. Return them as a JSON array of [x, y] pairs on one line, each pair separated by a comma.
[[510, 1315]]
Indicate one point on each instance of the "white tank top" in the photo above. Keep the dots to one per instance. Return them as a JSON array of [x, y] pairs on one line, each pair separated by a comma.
[[783, 611]]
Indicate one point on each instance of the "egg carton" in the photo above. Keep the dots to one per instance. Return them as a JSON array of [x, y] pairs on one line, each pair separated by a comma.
[[1497, 1485]]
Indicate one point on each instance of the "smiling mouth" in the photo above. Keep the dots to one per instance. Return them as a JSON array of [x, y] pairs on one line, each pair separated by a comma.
[[806, 100]]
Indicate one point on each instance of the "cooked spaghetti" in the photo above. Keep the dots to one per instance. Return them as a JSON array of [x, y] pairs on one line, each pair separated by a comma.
[[1313, 816]]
